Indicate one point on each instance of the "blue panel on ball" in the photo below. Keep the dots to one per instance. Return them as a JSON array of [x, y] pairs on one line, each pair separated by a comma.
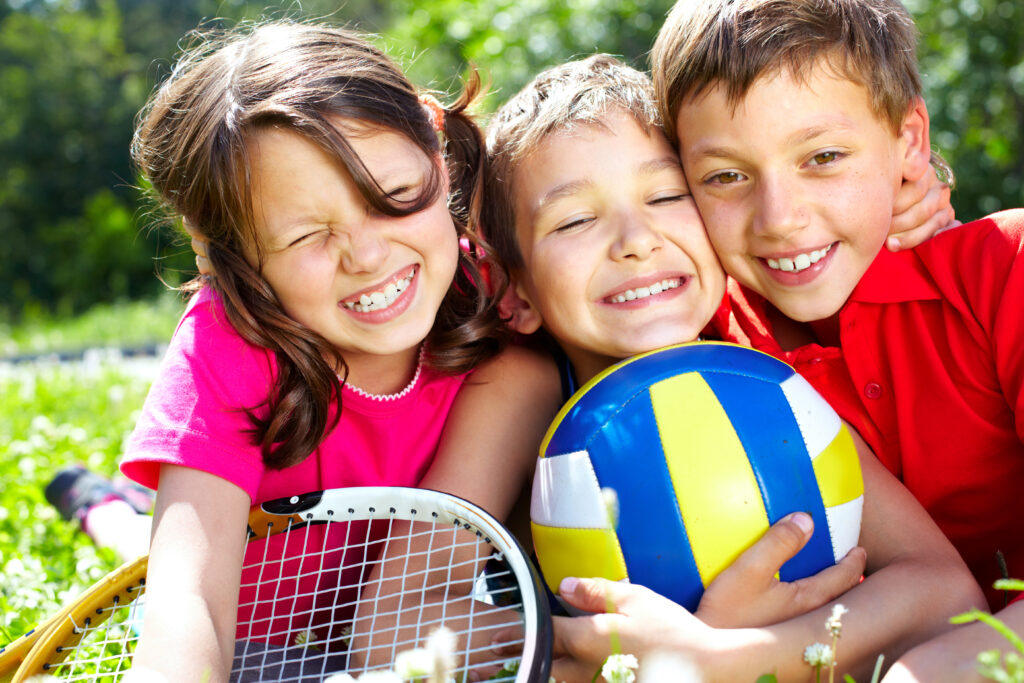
[[601, 401], [763, 420], [627, 453]]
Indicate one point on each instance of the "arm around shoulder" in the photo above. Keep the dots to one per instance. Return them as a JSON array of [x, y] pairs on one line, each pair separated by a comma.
[[491, 439]]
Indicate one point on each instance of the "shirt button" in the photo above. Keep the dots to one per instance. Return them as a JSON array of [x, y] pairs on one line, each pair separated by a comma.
[[873, 390]]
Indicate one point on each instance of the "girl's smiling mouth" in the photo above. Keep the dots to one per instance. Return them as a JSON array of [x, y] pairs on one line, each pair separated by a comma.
[[380, 297]]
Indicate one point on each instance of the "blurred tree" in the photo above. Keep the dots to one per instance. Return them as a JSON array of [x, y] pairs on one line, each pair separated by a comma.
[[512, 40], [972, 61], [67, 90], [73, 73]]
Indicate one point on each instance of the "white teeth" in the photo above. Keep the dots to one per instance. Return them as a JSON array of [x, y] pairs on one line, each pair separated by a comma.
[[643, 292], [379, 300], [798, 262]]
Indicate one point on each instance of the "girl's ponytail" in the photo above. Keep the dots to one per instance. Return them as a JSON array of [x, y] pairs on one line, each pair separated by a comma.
[[472, 329]]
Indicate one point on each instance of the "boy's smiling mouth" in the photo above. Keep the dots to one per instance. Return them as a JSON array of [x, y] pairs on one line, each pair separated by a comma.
[[797, 262], [380, 296], [656, 287]]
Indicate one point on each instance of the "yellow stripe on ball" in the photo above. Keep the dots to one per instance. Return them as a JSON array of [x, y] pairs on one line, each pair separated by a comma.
[[577, 552], [710, 471], [837, 469]]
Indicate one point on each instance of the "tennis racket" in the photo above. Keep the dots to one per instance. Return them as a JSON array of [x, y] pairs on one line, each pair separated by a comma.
[[341, 580]]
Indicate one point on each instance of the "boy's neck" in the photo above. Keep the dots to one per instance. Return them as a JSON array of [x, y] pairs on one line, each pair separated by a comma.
[[791, 334]]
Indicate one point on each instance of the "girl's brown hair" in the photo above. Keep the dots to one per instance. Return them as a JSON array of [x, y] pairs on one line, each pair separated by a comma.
[[191, 145]]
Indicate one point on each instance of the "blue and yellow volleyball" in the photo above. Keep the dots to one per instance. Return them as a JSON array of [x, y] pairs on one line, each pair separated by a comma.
[[706, 445]]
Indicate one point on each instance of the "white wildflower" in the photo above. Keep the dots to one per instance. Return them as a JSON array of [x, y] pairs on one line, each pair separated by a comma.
[[339, 678], [818, 654], [834, 623], [307, 638], [381, 676], [620, 669], [441, 645], [415, 663], [511, 665], [669, 667], [610, 498]]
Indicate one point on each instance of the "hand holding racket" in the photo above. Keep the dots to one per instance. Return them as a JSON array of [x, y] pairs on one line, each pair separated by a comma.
[[341, 580]]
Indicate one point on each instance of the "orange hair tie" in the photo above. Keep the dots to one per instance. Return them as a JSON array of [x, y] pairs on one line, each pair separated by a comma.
[[435, 112]]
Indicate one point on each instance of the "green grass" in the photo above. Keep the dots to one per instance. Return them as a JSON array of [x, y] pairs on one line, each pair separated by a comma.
[[124, 324], [55, 415]]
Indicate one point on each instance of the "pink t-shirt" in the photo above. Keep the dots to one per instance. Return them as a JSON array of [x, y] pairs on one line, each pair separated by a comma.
[[193, 417]]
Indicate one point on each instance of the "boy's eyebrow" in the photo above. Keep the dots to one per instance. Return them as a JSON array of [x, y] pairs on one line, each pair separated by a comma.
[[576, 186], [561, 191], [655, 165], [797, 138]]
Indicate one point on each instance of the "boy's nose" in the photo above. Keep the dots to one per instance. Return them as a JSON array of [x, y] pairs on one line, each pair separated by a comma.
[[636, 239], [365, 251], [780, 211]]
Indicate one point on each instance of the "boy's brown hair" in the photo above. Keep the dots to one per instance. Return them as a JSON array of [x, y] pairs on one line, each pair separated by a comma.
[[705, 43], [572, 94]]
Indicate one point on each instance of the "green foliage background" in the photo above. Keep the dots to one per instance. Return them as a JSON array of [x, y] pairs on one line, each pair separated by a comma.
[[73, 73]]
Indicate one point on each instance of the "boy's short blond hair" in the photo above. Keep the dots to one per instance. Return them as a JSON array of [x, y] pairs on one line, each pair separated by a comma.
[[706, 43], [576, 93]]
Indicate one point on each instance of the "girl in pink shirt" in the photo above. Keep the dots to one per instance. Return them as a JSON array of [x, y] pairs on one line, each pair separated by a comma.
[[332, 345]]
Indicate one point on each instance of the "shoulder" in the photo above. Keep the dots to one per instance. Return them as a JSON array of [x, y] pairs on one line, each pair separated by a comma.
[[999, 236], [979, 266], [205, 338], [520, 366]]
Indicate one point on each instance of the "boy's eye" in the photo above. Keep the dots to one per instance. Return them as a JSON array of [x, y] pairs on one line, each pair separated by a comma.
[[725, 178], [822, 158], [572, 224], [669, 197]]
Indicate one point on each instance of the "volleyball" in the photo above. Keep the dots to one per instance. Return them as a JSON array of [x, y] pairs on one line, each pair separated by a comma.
[[705, 445]]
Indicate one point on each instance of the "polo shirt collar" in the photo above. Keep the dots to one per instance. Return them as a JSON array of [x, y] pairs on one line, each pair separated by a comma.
[[895, 277]]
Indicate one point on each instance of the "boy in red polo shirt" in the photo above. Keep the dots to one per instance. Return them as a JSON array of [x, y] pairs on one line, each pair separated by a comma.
[[796, 121]]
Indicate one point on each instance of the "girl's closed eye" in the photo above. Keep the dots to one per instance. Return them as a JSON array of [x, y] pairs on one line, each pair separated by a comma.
[[311, 237], [405, 193]]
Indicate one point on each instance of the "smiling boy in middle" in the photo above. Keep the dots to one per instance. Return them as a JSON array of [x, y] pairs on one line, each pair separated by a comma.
[[588, 206]]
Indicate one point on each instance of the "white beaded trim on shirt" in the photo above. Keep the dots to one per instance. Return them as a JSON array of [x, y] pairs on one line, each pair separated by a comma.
[[391, 397]]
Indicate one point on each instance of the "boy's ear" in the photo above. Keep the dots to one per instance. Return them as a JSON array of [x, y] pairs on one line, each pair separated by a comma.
[[915, 134], [515, 307]]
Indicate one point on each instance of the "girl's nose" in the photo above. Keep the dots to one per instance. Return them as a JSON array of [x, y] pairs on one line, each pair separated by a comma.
[[365, 251]]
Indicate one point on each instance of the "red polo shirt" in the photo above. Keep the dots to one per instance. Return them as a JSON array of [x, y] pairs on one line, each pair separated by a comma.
[[930, 371]]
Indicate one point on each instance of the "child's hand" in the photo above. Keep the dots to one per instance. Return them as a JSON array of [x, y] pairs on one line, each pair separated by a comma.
[[640, 620], [199, 247], [748, 594], [921, 211]]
